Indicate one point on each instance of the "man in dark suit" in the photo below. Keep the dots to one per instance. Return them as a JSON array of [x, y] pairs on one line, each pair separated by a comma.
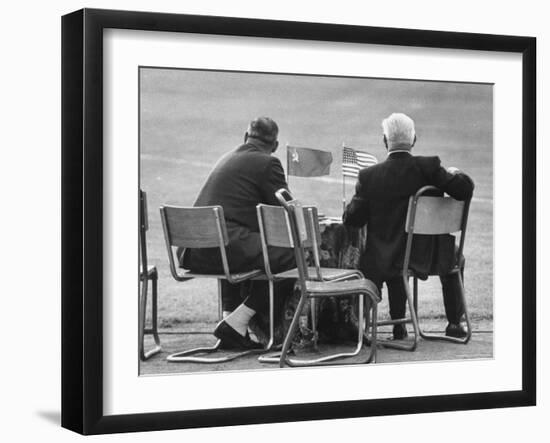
[[381, 201], [240, 180]]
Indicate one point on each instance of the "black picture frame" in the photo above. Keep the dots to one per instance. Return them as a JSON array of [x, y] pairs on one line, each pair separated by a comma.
[[82, 218]]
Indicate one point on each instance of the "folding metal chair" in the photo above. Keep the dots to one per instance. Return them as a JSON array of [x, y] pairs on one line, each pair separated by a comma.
[[275, 231], [147, 273], [312, 287], [429, 215], [202, 227]]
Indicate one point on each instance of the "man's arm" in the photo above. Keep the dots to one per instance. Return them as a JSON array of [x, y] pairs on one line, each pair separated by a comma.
[[274, 180], [356, 211], [452, 181]]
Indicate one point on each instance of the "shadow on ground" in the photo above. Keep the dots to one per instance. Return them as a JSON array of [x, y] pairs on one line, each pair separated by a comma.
[[54, 417]]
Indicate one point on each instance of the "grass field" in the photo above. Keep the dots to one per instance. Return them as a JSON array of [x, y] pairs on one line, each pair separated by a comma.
[[190, 118]]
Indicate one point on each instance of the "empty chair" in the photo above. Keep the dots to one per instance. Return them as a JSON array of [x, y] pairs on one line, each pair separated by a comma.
[[275, 232], [311, 286]]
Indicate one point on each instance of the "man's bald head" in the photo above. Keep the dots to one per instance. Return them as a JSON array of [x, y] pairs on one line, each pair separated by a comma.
[[263, 129]]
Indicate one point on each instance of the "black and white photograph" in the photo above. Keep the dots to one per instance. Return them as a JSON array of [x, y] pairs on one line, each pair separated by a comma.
[[303, 220], [275, 222]]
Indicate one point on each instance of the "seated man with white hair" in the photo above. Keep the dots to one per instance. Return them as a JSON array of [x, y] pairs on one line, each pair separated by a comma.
[[381, 200]]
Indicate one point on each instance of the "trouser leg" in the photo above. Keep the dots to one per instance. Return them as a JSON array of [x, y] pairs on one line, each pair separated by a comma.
[[454, 308], [397, 297], [258, 298], [280, 259], [232, 295]]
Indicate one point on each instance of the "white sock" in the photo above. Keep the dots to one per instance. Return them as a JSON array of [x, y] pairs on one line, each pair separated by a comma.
[[239, 319]]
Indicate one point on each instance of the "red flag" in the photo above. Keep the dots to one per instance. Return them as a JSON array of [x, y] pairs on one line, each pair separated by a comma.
[[307, 162]]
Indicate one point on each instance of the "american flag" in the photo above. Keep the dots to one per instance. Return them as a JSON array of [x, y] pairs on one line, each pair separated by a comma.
[[355, 160]]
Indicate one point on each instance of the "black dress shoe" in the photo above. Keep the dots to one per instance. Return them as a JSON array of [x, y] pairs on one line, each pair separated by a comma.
[[400, 332], [456, 330], [229, 346], [231, 339]]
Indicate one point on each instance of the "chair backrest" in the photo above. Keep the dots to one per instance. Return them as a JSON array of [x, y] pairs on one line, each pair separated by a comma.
[[434, 215], [194, 227], [428, 215], [276, 230], [299, 218], [276, 226], [200, 227]]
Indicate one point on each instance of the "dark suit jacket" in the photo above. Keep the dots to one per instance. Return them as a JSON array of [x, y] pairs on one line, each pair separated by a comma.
[[239, 181], [381, 200]]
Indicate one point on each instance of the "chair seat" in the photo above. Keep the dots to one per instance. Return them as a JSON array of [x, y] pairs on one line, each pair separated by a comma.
[[327, 273], [238, 276], [346, 287]]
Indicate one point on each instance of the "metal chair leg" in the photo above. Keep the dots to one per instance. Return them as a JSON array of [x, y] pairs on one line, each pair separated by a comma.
[[373, 337], [154, 308], [464, 340], [220, 304], [145, 355], [275, 358], [412, 320], [194, 355], [271, 317], [141, 320], [313, 307], [271, 358], [329, 359], [292, 330], [191, 356], [415, 295], [283, 358]]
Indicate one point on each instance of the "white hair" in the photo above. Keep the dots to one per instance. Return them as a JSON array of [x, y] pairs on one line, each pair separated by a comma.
[[398, 129]]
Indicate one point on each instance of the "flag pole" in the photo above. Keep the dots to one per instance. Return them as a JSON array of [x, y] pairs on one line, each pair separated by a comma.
[[287, 168], [343, 181]]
